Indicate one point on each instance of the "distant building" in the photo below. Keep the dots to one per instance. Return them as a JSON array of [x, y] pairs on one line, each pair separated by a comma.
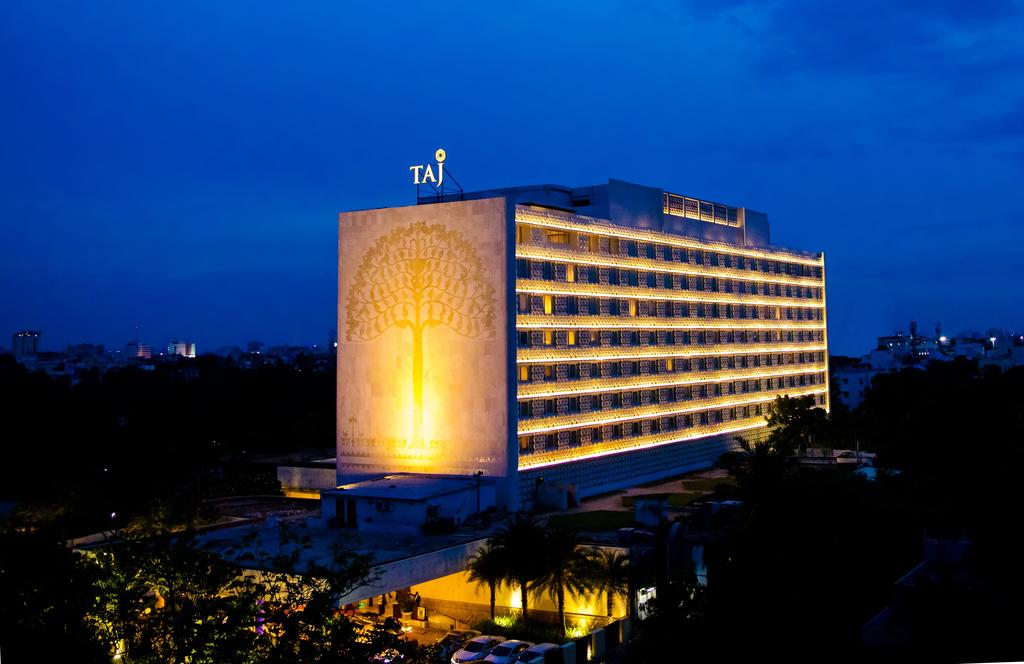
[[894, 352], [137, 350], [25, 342], [852, 384], [80, 352], [181, 348]]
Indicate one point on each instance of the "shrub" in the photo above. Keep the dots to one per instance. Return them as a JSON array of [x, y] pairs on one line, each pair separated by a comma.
[[517, 629]]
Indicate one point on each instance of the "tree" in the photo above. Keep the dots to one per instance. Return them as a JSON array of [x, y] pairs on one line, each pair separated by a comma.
[[567, 569], [797, 422], [760, 467], [487, 566], [521, 542], [417, 277], [611, 575], [166, 597], [46, 594]]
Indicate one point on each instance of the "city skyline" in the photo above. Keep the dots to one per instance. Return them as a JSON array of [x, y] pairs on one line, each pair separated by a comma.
[[180, 170]]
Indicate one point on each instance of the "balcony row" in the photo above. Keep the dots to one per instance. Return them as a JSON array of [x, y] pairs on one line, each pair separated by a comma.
[[566, 380], [668, 289], [631, 413], [553, 354], [601, 236], [538, 451]]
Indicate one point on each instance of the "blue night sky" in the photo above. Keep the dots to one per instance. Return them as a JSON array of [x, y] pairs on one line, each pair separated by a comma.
[[178, 166]]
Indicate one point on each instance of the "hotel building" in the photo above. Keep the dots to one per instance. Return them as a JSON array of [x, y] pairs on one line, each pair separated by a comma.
[[594, 338]]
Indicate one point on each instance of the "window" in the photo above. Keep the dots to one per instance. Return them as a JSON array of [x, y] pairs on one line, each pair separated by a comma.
[[572, 338], [558, 237], [548, 337], [570, 272], [524, 374], [547, 304]]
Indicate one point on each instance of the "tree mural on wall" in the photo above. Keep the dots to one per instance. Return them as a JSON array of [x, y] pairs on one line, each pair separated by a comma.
[[417, 277]]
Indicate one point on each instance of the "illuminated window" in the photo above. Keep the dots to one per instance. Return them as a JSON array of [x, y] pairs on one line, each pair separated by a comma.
[[572, 338], [548, 337], [547, 305], [524, 374], [558, 237], [669, 365], [632, 307], [570, 273]]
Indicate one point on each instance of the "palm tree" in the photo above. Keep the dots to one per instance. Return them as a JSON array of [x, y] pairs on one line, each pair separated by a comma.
[[567, 569], [611, 575], [488, 566], [521, 542]]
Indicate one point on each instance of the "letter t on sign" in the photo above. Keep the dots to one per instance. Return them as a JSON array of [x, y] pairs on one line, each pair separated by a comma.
[[416, 173]]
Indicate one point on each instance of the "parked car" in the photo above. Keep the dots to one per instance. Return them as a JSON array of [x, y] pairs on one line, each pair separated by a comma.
[[454, 639], [538, 654], [506, 652], [476, 649]]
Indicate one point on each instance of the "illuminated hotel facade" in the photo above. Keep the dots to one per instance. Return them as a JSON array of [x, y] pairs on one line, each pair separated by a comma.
[[597, 337]]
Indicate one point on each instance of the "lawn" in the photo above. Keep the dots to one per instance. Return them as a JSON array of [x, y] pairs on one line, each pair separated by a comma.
[[594, 521], [673, 499], [706, 484]]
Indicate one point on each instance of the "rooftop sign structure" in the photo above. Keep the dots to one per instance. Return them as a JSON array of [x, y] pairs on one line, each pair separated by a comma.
[[426, 174]]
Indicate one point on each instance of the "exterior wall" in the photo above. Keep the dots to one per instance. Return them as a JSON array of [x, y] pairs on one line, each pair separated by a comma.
[[389, 515], [305, 478], [422, 379], [406, 572], [852, 384], [641, 354]]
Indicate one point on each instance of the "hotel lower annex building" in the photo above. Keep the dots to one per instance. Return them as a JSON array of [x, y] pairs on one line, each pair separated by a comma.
[[592, 337]]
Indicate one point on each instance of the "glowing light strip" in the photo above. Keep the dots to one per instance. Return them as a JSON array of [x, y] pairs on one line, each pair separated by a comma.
[[595, 226], [600, 418], [824, 322], [610, 448], [573, 387], [608, 322], [544, 253], [608, 354], [534, 287]]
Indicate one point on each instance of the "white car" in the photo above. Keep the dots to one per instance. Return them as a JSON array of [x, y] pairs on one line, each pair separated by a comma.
[[476, 649], [535, 655], [506, 652]]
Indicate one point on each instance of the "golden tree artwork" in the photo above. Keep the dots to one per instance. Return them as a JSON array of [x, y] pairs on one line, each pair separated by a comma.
[[417, 277]]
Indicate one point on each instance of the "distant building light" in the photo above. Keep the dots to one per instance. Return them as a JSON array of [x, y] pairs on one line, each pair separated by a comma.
[[943, 340]]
